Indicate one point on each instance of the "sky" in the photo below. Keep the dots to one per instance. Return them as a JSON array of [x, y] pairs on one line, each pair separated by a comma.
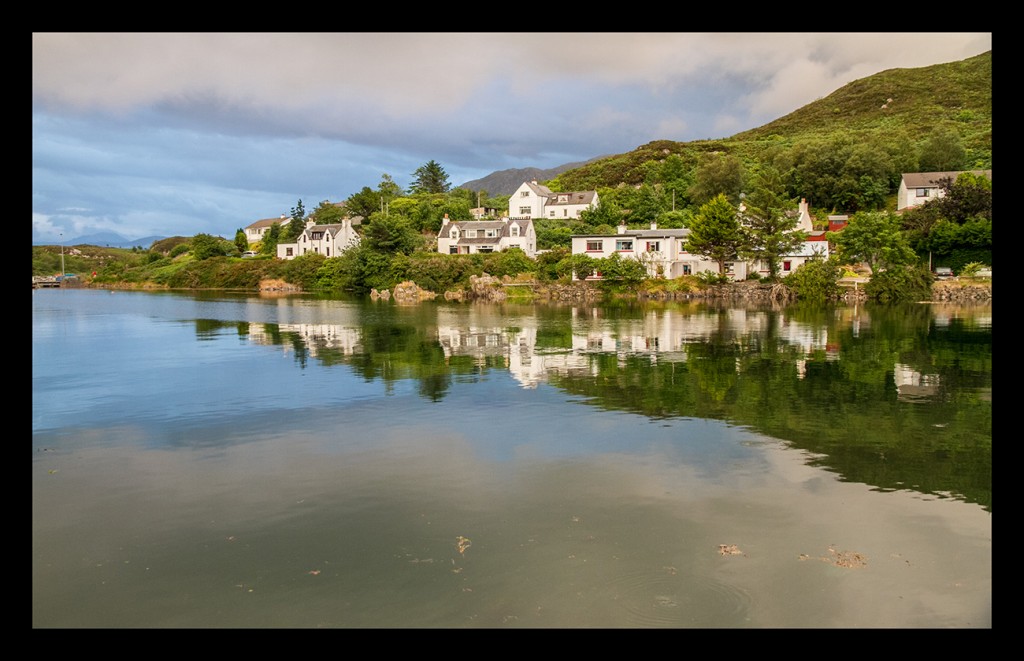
[[176, 134]]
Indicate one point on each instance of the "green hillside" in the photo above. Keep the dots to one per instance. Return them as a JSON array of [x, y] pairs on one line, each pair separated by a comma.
[[895, 113]]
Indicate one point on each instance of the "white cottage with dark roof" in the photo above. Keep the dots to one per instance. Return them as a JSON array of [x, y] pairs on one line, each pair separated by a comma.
[[916, 188], [466, 237], [532, 200]]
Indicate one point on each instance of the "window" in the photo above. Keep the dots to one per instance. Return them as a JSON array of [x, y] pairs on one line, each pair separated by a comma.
[[288, 252], [453, 250], [565, 212], [653, 246], [525, 193], [514, 230], [787, 265], [470, 234], [623, 244], [524, 211], [454, 233], [686, 269], [922, 192], [594, 246], [563, 199], [551, 213], [486, 249], [490, 234], [317, 236]]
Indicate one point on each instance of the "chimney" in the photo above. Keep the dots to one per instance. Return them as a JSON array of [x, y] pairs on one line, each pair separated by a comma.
[[622, 228], [444, 221], [654, 225]]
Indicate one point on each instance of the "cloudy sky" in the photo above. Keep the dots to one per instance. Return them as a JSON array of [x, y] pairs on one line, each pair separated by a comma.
[[180, 133]]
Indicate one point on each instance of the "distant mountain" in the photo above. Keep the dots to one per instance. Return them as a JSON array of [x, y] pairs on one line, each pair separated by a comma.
[[108, 240], [505, 182]]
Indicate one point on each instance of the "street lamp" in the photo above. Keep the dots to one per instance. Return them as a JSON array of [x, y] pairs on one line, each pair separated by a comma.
[[62, 255]]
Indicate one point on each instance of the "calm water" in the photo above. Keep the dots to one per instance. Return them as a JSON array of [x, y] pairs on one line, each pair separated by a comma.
[[220, 460]]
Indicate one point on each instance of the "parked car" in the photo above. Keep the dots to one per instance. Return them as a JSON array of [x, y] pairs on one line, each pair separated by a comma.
[[984, 272], [943, 273], [249, 253]]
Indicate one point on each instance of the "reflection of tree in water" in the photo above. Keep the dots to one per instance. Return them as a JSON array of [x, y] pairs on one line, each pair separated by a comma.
[[840, 402]]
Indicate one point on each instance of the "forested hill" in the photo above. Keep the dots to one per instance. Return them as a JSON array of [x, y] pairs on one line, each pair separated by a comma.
[[894, 112]]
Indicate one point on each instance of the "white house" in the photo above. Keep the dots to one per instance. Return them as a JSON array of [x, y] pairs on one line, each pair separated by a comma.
[[254, 232], [532, 200], [662, 251], [916, 188], [327, 240], [465, 237]]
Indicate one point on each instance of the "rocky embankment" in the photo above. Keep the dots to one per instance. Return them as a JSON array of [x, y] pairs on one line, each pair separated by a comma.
[[491, 289]]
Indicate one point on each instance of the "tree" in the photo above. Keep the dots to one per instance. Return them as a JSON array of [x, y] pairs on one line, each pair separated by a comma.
[[390, 233], [717, 174], [364, 203], [291, 231], [874, 237], [429, 178], [387, 189], [716, 233], [327, 213], [771, 231], [943, 151], [241, 242], [268, 246], [205, 246]]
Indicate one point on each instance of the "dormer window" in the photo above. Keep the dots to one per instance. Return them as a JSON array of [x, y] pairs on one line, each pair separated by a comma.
[[514, 230], [454, 233]]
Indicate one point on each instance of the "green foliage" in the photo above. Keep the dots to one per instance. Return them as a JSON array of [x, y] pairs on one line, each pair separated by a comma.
[[715, 232], [971, 269], [770, 232], [327, 213], [179, 249], [547, 263], [583, 266], [364, 203], [816, 280], [205, 246], [875, 239], [717, 174], [900, 283], [291, 232], [268, 246], [304, 270], [712, 278], [943, 150], [389, 233], [429, 178], [617, 272], [241, 241], [554, 233]]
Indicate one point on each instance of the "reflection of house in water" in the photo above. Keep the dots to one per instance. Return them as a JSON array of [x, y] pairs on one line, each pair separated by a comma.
[[912, 385], [316, 337]]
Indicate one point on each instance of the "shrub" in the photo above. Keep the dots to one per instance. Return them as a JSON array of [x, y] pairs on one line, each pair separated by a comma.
[[712, 278], [816, 280], [900, 283]]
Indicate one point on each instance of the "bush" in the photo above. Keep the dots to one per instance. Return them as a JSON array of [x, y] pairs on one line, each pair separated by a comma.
[[712, 278], [179, 249], [900, 283], [816, 280]]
